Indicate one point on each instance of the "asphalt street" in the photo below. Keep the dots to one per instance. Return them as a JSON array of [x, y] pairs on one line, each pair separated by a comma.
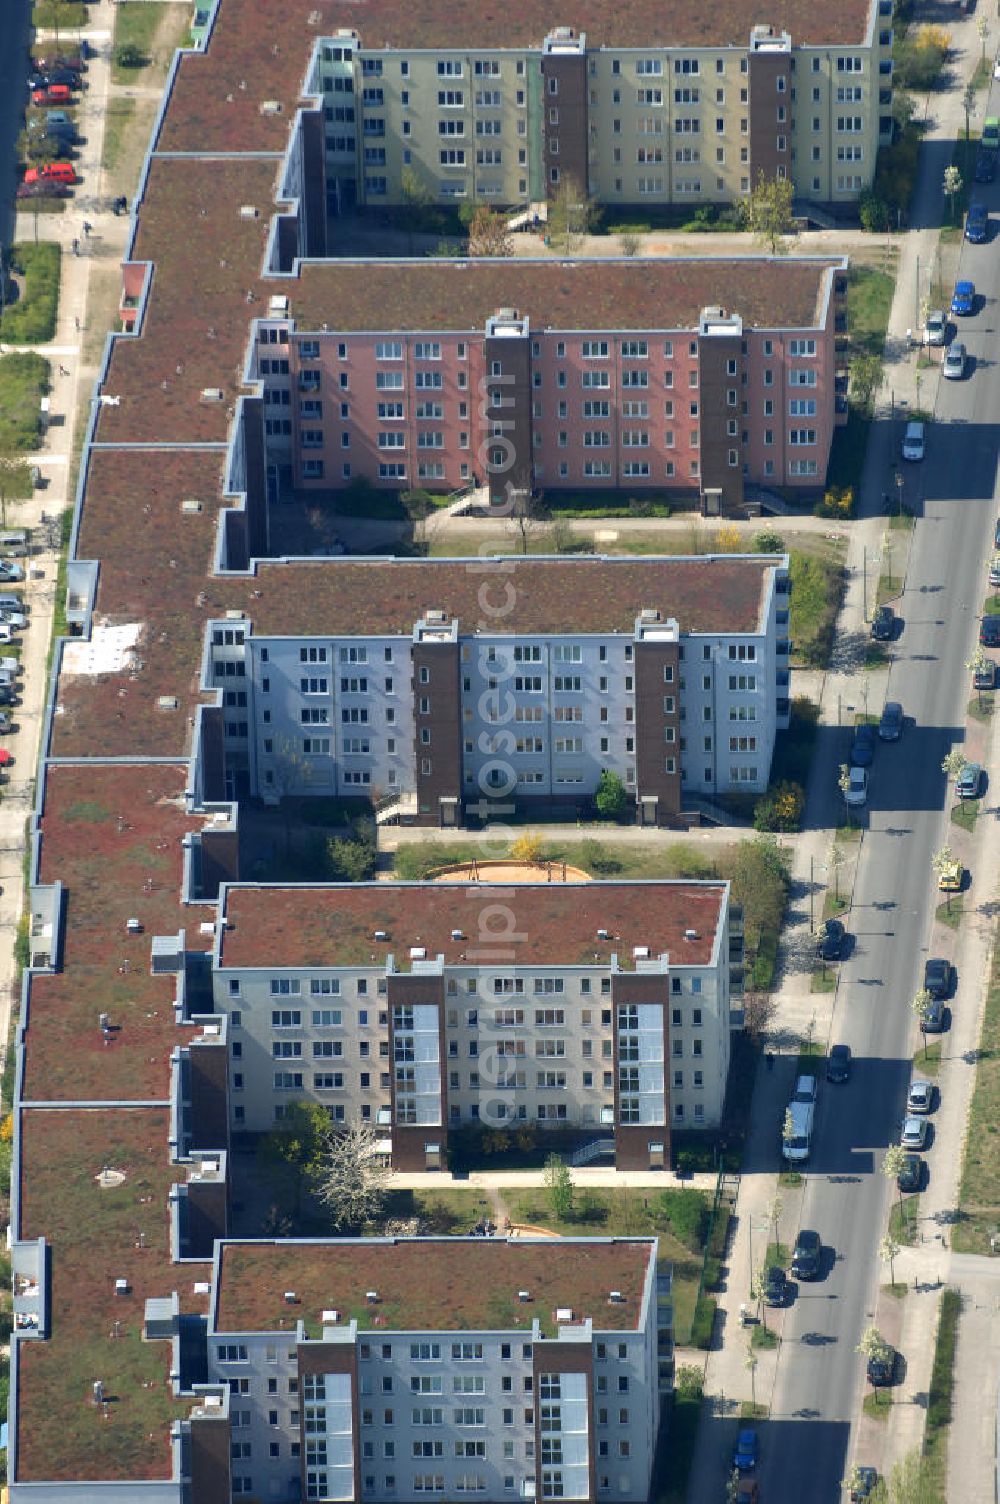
[[821, 1376], [14, 16]]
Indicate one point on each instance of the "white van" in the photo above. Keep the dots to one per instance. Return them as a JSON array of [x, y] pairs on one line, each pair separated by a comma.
[[15, 544], [795, 1147]]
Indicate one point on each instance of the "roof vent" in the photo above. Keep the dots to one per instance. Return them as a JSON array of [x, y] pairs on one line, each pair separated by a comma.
[[690, 934], [191, 505], [134, 926], [249, 211], [436, 615], [616, 1297], [640, 952], [211, 394], [236, 615], [649, 613], [213, 1402], [381, 934], [207, 927], [202, 1287], [524, 1296], [564, 1313], [270, 107], [277, 303], [457, 935], [167, 702], [372, 1297], [290, 1297], [507, 313], [603, 935], [330, 1318], [418, 953], [122, 1287]]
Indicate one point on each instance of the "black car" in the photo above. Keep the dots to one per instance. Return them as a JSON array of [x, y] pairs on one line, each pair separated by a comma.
[[986, 165], [45, 80], [882, 1367], [989, 632], [883, 624], [937, 976], [838, 1065], [863, 746], [806, 1256], [864, 1480], [6, 696], [911, 1176], [830, 943], [775, 1286]]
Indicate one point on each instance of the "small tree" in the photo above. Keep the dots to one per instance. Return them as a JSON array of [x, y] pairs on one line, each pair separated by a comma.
[[887, 1251], [299, 1142], [758, 1285], [836, 860], [750, 1364], [559, 1184], [733, 1480], [921, 1009], [787, 1127], [527, 848], [768, 211], [978, 664], [872, 1347], [571, 214], [489, 234], [418, 506], [417, 200], [728, 539], [611, 797], [942, 859], [628, 243], [952, 188], [969, 106], [774, 1209], [983, 28], [953, 763], [759, 1009], [355, 1178], [127, 55], [865, 372], [893, 1160]]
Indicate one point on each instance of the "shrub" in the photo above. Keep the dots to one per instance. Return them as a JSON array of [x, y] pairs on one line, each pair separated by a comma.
[[637, 508], [767, 541], [527, 848], [127, 55], [597, 858], [611, 798], [780, 808], [703, 1324], [689, 1382], [838, 502], [873, 211]]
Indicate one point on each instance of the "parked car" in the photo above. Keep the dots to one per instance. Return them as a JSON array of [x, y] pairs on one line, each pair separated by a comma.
[[6, 724], [865, 1479], [986, 166], [856, 794], [882, 1366], [776, 1287], [9, 601], [16, 619], [55, 94], [863, 746], [938, 976], [890, 727], [806, 1254], [745, 1451], [968, 781], [747, 1491], [953, 365], [883, 624], [12, 663], [936, 327], [838, 1065], [43, 189], [805, 1089], [994, 572], [913, 441], [963, 299], [830, 945], [920, 1096], [977, 224], [51, 172], [985, 677], [933, 1019], [6, 758], [950, 877], [989, 632], [911, 1174], [913, 1134], [10, 572]]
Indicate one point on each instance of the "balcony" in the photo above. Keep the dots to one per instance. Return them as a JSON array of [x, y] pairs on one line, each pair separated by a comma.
[[783, 647]]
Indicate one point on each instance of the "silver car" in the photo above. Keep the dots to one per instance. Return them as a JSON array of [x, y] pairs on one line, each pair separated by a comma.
[[914, 1133], [920, 1096], [936, 328], [953, 366]]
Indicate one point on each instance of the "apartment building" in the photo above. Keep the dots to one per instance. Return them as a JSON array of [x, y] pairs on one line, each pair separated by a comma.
[[639, 107], [424, 1007], [691, 377], [400, 1369], [457, 688]]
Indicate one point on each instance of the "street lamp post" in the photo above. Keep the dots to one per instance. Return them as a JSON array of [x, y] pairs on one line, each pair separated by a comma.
[[899, 490]]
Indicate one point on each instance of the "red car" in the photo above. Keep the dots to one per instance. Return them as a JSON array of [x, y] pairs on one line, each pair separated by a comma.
[[6, 758], [51, 172], [54, 94]]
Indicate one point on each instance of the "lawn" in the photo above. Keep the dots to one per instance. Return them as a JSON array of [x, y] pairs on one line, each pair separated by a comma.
[[903, 1220], [31, 320], [939, 1395], [980, 707], [979, 1190], [927, 1060], [24, 380], [869, 301], [963, 814], [950, 912], [677, 1217], [817, 591], [155, 31]]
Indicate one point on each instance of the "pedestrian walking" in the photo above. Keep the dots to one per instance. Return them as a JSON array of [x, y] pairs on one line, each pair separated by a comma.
[[76, 247], [76, 321], [769, 1057], [87, 227]]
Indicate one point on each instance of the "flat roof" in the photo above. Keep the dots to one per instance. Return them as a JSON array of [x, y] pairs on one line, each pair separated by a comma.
[[723, 593], [112, 834], [259, 49], [432, 1284], [632, 294], [553, 923], [94, 1232]]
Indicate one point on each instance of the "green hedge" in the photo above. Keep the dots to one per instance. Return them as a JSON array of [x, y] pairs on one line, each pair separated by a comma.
[[32, 319], [703, 1324]]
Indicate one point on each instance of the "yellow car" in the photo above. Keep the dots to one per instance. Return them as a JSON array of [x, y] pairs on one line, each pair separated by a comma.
[[950, 880]]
